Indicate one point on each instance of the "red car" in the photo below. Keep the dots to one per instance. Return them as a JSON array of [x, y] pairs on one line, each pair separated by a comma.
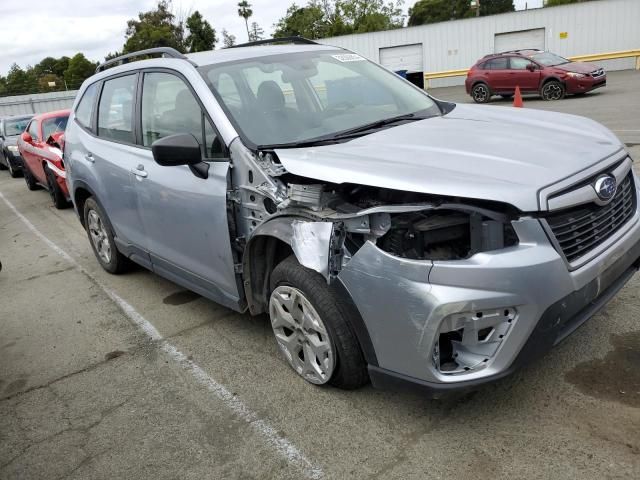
[[533, 71], [41, 148]]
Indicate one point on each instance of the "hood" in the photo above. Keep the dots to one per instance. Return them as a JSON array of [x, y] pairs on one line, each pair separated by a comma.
[[578, 67], [485, 152]]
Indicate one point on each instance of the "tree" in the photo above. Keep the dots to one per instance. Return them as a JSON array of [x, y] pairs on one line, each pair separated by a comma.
[[60, 66], [78, 71], [155, 28], [20, 82], [327, 18], [244, 11], [50, 82], [255, 32], [432, 11], [202, 36], [228, 40], [492, 7]]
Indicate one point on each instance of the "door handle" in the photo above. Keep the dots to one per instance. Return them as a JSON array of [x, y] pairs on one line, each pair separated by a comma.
[[89, 157], [140, 171]]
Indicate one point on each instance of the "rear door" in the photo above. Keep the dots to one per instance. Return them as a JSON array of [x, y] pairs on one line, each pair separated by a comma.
[[497, 71], [184, 216]]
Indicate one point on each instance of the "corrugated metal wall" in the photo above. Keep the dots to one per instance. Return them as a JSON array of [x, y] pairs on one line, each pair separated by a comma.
[[36, 103], [591, 27]]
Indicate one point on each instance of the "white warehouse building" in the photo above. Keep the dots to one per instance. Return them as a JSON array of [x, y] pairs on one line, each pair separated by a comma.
[[595, 27]]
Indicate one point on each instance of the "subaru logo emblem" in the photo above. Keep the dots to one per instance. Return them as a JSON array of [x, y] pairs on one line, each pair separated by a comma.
[[605, 187]]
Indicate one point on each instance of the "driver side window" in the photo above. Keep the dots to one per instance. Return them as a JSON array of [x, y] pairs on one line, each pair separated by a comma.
[[169, 107]]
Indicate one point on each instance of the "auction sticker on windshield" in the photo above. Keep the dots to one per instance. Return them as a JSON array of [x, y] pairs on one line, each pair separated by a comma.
[[348, 57]]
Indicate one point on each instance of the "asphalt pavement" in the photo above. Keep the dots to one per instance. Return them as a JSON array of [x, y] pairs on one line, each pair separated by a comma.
[[131, 376]]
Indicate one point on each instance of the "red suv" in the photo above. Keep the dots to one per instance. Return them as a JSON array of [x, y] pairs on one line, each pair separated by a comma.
[[40, 147], [533, 71]]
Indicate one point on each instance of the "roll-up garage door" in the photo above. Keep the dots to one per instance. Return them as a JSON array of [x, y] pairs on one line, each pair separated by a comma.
[[507, 41], [405, 57]]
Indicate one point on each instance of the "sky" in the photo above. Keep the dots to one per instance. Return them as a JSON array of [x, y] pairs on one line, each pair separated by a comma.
[[36, 29]]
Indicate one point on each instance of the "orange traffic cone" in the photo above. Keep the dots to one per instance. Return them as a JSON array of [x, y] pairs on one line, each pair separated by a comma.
[[517, 98]]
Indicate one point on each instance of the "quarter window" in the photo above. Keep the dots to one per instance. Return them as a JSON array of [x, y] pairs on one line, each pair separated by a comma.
[[169, 107], [33, 131], [84, 110], [115, 111]]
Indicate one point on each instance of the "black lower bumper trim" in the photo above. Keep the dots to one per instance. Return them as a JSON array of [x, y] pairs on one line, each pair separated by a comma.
[[557, 322]]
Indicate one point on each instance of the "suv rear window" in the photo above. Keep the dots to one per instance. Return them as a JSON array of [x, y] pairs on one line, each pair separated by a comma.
[[115, 111], [496, 64]]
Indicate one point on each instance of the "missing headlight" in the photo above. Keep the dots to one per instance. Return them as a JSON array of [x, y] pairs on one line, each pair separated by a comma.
[[445, 235]]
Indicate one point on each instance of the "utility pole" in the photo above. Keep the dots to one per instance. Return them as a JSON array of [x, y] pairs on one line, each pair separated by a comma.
[[475, 5]]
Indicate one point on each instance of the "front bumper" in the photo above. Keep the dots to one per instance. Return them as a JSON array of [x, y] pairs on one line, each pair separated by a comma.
[[403, 303], [586, 84]]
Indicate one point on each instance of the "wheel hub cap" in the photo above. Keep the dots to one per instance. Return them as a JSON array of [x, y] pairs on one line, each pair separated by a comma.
[[301, 335], [99, 236]]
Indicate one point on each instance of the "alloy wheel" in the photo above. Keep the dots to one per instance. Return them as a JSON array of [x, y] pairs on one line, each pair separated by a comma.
[[99, 236], [480, 93], [552, 91], [301, 335]]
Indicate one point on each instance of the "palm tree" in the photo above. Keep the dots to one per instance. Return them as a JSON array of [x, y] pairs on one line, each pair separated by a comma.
[[244, 10]]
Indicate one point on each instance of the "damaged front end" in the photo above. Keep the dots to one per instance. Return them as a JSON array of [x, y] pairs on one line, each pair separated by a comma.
[[381, 246]]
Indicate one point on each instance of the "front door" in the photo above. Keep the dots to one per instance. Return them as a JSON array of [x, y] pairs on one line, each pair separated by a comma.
[[184, 216], [524, 73], [30, 154]]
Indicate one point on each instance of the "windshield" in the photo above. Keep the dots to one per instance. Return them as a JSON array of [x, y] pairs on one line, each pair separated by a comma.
[[281, 99], [549, 59], [15, 126], [53, 125]]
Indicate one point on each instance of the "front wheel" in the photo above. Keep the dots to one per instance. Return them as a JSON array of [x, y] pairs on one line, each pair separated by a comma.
[[101, 238], [480, 93], [15, 173], [55, 192], [311, 323], [29, 179], [552, 90]]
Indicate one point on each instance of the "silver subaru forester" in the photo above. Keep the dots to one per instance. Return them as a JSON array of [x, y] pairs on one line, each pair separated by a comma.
[[389, 235]]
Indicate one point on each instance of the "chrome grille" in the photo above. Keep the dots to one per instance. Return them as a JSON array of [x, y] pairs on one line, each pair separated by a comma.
[[578, 230]]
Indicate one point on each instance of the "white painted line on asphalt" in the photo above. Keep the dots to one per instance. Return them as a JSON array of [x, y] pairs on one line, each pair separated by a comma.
[[283, 446]]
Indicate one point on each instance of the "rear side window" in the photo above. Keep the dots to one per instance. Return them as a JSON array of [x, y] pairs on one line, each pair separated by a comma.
[[85, 107], [115, 110], [497, 64]]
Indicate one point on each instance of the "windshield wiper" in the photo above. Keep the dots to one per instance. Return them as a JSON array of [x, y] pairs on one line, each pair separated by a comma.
[[346, 134]]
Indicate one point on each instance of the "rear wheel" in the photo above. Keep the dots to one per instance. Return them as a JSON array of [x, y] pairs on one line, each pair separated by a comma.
[[552, 90], [101, 238], [55, 192], [29, 179], [311, 323], [15, 173], [480, 93]]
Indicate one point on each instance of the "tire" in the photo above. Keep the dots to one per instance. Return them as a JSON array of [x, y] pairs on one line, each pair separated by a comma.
[[344, 366], [481, 93], [29, 179], [57, 197], [552, 90], [12, 171], [101, 239], [3, 160]]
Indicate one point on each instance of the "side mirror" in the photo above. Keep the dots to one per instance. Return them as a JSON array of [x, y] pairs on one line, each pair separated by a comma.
[[531, 67], [26, 137], [179, 149]]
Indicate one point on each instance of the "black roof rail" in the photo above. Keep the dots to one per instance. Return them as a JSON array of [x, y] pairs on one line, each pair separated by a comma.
[[164, 51], [270, 41], [513, 51]]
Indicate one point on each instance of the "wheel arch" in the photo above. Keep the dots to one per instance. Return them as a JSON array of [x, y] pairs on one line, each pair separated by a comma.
[[270, 244], [551, 78]]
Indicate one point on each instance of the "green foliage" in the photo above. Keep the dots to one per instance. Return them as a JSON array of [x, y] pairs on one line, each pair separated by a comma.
[[46, 79], [228, 40], [78, 71], [255, 32], [327, 18], [155, 28], [432, 11], [202, 36], [244, 11], [19, 81]]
